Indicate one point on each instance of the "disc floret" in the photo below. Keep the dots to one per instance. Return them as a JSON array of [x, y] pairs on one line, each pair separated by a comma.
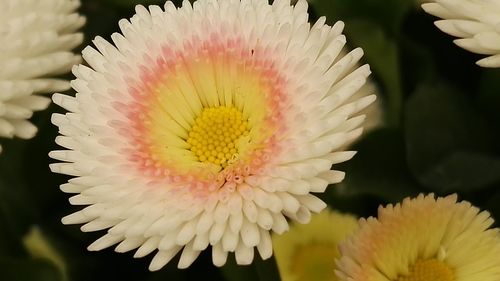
[[214, 136]]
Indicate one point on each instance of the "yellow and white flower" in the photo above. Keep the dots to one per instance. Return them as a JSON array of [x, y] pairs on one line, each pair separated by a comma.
[[36, 40], [476, 22], [423, 239], [308, 251], [208, 124]]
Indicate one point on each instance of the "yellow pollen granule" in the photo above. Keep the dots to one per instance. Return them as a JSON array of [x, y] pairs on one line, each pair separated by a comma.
[[429, 270], [214, 134]]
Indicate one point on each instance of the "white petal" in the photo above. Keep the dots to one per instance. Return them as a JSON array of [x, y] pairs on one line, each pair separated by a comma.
[[104, 242], [244, 254], [219, 256], [216, 233], [162, 258], [265, 246], [148, 247], [250, 234], [186, 233], [230, 241], [280, 224], [129, 244], [188, 256], [493, 61], [474, 22]]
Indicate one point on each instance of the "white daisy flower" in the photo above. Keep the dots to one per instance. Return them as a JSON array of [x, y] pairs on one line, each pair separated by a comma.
[[476, 22], [36, 36], [209, 124]]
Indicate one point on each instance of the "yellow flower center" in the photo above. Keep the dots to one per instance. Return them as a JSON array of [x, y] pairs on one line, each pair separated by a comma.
[[429, 270], [315, 262], [214, 136]]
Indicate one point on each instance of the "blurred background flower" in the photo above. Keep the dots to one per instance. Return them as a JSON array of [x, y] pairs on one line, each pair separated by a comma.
[[36, 42], [308, 251], [476, 22], [423, 238]]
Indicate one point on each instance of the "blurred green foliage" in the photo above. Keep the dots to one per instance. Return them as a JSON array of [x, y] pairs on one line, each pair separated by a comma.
[[441, 135]]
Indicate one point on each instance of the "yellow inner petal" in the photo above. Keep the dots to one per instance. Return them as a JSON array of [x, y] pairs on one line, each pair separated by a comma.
[[215, 134], [429, 270], [315, 262]]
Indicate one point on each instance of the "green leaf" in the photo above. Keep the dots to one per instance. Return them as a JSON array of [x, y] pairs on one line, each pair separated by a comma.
[[42, 184], [170, 272], [463, 171], [387, 13], [489, 95], [383, 56], [493, 207], [259, 270], [234, 272], [361, 204], [102, 20], [448, 142], [9, 242], [28, 270], [17, 207], [267, 269], [379, 168], [39, 246], [417, 64]]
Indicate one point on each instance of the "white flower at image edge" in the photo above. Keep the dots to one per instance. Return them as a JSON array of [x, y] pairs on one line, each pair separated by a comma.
[[475, 22], [207, 125], [36, 38]]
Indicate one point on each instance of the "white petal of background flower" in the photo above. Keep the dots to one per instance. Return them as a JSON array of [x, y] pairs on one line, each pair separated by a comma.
[[476, 22], [127, 134], [36, 38]]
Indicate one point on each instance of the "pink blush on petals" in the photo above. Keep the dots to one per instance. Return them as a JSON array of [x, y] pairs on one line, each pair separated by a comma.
[[233, 54]]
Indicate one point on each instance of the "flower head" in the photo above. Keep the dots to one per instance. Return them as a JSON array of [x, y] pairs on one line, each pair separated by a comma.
[[475, 22], [308, 251], [36, 36], [423, 239], [208, 124]]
